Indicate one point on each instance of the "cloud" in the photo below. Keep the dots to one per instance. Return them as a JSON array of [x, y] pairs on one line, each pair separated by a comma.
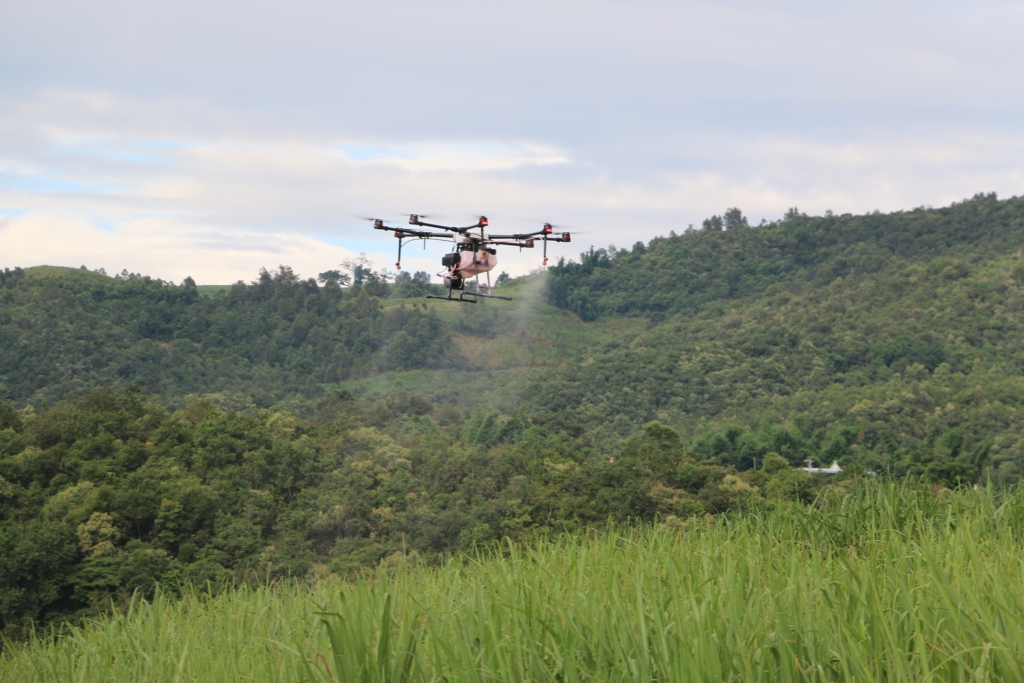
[[240, 121], [461, 156], [265, 193], [160, 248]]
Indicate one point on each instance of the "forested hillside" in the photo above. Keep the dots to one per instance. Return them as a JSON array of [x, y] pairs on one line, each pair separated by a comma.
[[882, 339], [149, 431], [64, 332], [727, 259]]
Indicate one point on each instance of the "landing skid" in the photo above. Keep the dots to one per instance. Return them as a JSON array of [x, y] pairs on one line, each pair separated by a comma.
[[488, 296], [468, 301], [449, 298]]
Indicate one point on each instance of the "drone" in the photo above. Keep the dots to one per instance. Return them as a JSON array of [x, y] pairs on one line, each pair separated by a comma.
[[474, 252]]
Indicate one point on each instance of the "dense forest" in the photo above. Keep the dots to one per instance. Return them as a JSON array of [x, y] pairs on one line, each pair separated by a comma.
[[912, 354], [727, 259], [288, 427], [107, 494], [67, 331]]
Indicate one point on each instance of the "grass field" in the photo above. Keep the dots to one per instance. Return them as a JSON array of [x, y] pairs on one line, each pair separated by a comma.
[[888, 584]]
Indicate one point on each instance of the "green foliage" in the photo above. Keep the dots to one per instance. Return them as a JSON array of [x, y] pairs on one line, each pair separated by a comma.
[[777, 339], [879, 583], [109, 494], [728, 260], [66, 331], [857, 338], [35, 572], [279, 438]]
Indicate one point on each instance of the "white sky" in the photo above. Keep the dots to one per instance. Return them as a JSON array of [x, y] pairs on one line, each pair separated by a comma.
[[213, 138]]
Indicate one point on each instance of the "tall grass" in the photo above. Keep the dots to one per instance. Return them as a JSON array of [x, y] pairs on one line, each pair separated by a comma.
[[888, 584]]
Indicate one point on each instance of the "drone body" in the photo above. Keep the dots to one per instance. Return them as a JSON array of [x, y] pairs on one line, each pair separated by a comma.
[[474, 252]]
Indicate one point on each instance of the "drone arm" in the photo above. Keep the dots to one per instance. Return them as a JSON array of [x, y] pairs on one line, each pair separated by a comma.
[[405, 233], [518, 236], [419, 234], [441, 227], [448, 227], [528, 244]]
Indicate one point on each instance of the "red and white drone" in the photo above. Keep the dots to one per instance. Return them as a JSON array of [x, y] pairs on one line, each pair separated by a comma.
[[474, 253]]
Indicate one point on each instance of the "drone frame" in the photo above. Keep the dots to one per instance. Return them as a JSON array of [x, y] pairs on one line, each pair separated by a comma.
[[524, 240]]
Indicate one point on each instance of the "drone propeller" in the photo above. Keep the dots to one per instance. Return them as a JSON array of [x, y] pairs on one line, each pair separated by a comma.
[[375, 219], [415, 217], [475, 217], [378, 223]]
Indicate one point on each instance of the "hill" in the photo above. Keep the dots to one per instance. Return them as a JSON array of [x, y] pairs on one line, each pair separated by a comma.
[[876, 340], [67, 331], [283, 427]]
